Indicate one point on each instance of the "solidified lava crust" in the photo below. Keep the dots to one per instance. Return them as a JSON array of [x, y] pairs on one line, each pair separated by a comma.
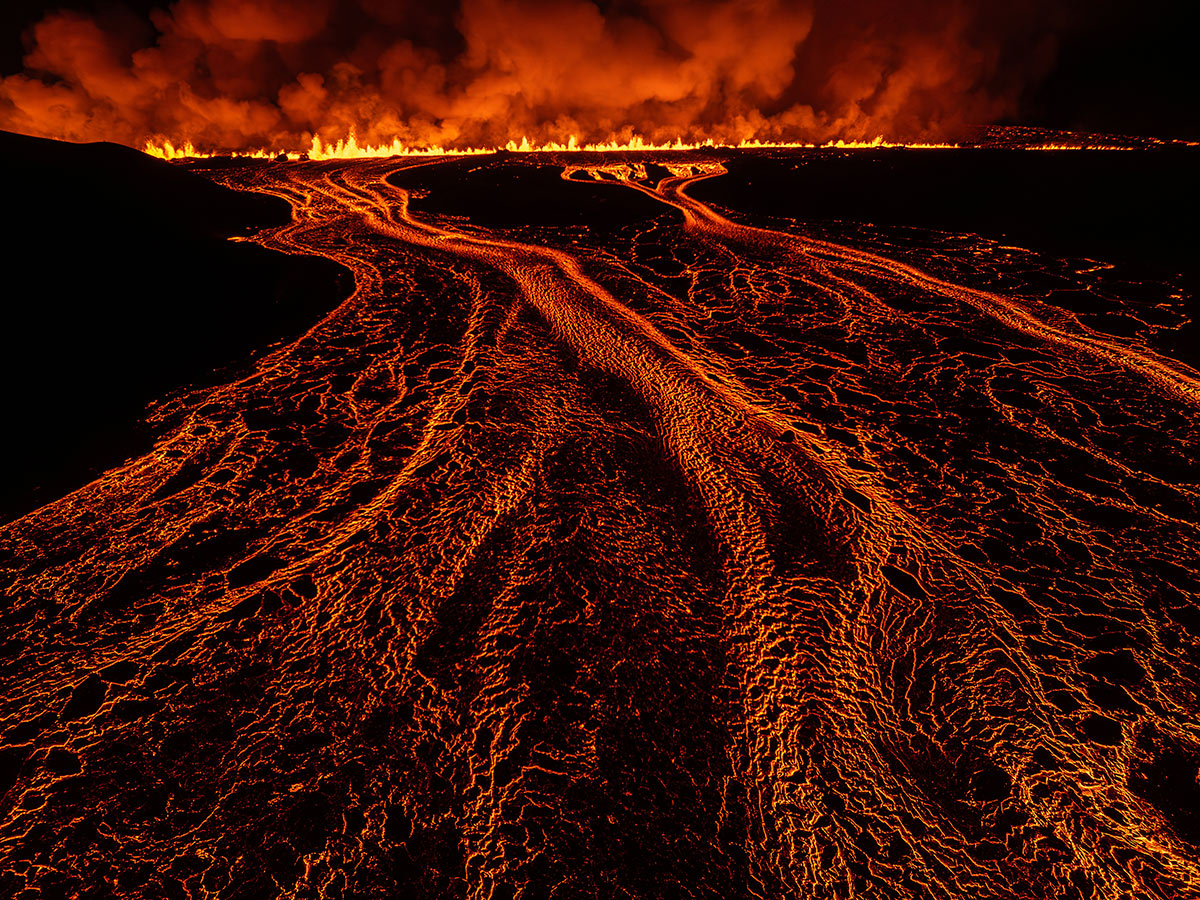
[[685, 553]]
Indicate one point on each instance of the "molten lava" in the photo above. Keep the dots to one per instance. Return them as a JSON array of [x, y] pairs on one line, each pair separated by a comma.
[[673, 551]]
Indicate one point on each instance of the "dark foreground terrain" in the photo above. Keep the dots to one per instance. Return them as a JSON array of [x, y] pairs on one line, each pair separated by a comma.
[[119, 285], [643, 527]]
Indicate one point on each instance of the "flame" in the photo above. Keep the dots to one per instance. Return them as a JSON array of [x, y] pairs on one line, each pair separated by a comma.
[[879, 142], [350, 148], [187, 150], [1077, 147]]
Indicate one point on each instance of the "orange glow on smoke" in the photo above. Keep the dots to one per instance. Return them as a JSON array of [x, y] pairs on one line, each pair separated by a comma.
[[243, 75]]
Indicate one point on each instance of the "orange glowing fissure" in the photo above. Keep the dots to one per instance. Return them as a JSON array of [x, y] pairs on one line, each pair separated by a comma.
[[349, 148]]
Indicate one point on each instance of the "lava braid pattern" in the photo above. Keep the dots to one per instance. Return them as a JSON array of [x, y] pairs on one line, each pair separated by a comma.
[[688, 558]]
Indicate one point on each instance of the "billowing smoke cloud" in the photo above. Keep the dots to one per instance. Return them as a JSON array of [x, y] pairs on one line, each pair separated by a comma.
[[236, 74]]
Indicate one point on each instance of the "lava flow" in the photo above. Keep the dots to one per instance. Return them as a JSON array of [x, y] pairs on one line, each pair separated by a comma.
[[627, 545]]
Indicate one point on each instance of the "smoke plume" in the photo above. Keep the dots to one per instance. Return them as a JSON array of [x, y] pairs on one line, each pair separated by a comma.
[[238, 74]]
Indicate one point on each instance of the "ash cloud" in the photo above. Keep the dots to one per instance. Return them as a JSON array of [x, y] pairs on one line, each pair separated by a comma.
[[238, 74]]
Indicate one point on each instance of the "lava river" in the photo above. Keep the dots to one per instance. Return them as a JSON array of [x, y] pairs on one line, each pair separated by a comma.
[[694, 555]]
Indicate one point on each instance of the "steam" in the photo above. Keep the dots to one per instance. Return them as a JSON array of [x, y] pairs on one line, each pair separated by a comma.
[[239, 74]]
